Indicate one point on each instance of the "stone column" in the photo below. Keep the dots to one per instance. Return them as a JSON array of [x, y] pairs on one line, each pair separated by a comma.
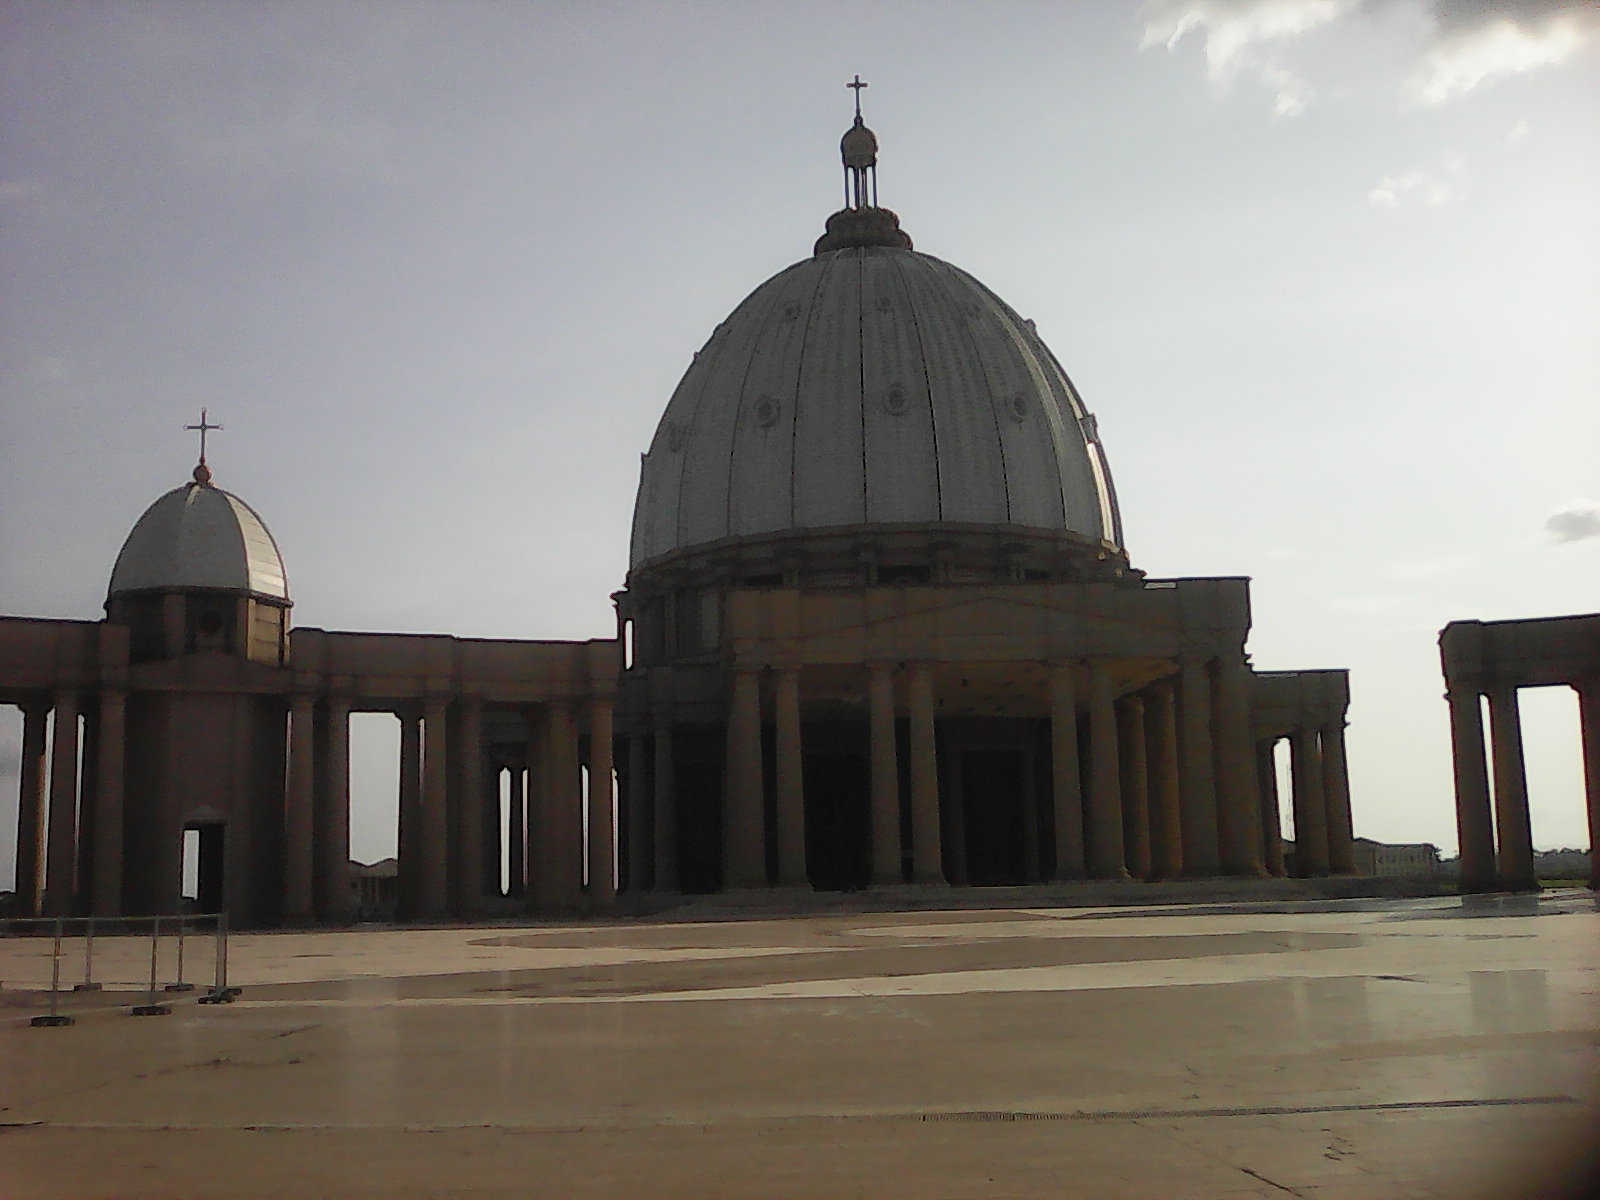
[[30, 810], [299, 853], [1161, 767], [744, 856], [88, 809], [666, 807], [468, 759], [409, 837], [335, 900], [1336, 794], [927, 851], [791, 780], [62, 851], [107, 885], [1310, 809], [1135, 781], [602, 834], [1474, 824], [1105, 791], [1589, 715], [560, 843], [1511, 820], [1267, 787], [641, 846], [434, 831], [493, 842], [1197, 788], [1238, 803], [1065, 780], [885, 780], [519, 789]]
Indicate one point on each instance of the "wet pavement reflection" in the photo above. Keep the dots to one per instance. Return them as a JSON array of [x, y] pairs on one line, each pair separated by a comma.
[[1368, 1048]]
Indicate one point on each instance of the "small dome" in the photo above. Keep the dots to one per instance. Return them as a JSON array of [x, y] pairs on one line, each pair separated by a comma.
[[871, 385], [199, 536]]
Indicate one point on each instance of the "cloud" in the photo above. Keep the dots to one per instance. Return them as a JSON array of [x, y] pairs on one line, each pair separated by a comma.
[[1427, 186], [1242, 36], [1576, 521], [1473, 41], [1483, 40]]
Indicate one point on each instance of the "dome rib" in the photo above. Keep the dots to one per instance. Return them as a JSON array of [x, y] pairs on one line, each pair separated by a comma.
[[975, 345], [922, 371]]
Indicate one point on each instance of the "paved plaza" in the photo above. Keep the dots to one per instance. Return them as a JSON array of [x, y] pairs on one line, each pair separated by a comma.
[[1373, 1048]]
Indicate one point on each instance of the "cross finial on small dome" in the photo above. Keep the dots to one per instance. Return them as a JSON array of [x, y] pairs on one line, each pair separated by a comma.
[[857, 84], [202, 473]]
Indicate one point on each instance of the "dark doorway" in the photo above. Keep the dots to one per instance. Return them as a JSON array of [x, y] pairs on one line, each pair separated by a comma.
[[838, 820], [699, 805], [202, 866], [992, 796]]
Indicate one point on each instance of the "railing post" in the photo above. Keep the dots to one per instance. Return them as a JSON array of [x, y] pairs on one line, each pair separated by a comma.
[[150, 1008], [88, 984], [220, 992], [54, 1018], [180, 985]]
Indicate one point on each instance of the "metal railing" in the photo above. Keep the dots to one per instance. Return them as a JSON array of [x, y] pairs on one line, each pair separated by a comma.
[[122, 932]]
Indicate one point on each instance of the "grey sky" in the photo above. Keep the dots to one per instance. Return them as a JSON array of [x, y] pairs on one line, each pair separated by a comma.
[[1324, 270]]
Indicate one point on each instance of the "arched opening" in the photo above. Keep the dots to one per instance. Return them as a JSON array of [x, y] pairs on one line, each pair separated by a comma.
[[375, 814], [1552, 744], [1283, 770], [204, 860], [10, 793]]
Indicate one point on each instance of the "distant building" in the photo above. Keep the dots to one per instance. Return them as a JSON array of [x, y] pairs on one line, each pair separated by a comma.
[[375, 889], [1410, 860], [1565, 863]]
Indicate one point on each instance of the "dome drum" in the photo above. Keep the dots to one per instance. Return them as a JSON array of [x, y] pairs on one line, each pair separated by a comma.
[[167, 623]]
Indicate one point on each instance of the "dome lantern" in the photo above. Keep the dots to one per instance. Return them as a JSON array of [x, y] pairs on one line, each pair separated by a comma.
[[861, 222]]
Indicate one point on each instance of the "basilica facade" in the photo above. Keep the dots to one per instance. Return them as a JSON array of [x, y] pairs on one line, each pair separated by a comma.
[[879, 629]]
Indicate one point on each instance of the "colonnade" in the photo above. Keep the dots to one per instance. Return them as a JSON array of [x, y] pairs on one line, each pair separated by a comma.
[[1324, 840], [1169, 788], [69, 809], [449, 834], [1492, 660], [1497, 838]]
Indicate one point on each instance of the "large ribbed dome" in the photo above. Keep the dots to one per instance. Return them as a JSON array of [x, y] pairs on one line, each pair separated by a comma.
[[871, 385], [199, 536]]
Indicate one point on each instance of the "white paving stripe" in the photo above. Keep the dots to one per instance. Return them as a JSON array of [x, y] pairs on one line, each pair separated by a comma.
[[1400, 967]]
